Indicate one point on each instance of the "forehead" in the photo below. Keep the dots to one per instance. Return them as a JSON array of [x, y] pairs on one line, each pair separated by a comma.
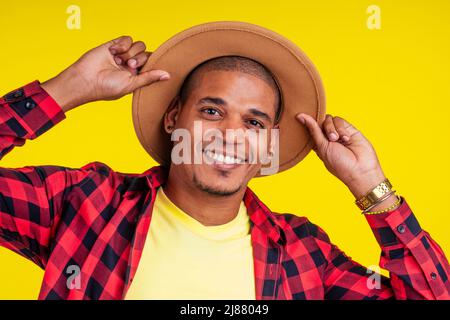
[[234, 86]]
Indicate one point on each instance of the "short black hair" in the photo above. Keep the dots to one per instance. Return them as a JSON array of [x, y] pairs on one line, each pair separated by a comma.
[[234, 63]]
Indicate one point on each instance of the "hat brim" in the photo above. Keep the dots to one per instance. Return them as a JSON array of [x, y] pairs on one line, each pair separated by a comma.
[[299, 81]]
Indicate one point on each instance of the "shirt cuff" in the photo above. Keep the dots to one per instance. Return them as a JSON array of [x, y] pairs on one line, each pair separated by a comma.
[[34, 110], [399, 226]]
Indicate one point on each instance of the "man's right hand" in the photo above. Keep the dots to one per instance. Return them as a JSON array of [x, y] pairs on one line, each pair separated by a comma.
[[106, 72]]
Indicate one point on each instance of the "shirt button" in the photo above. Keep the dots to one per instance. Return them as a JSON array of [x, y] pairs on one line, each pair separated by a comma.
[[401, 228], [30, 105], [433, 275]]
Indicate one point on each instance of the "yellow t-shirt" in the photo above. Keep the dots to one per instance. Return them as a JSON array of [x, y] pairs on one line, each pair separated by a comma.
[[184, 259]]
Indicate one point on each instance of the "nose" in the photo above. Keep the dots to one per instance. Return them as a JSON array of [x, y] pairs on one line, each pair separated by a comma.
[[233, 130], [231, 122]]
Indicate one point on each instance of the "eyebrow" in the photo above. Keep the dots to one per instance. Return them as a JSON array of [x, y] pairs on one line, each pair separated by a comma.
[[219, 101], [213, 100], [261, 114]]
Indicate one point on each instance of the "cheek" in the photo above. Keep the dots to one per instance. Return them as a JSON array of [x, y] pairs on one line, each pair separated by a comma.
[[259, 145]]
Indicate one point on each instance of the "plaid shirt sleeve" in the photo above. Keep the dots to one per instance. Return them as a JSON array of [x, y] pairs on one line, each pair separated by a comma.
[[417, 265], [30, 197]]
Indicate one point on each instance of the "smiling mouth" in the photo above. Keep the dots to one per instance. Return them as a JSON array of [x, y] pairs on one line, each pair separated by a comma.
[[220, 158]]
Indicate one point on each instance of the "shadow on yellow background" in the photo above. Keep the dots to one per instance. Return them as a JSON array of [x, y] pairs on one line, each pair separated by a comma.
[[392, 84]]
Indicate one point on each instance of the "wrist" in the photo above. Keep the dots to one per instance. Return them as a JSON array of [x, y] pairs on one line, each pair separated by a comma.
[[360, 186], [67, 89], [386, 203]]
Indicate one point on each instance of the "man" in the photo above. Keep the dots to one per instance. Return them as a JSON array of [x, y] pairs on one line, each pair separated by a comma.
[[195, 230]]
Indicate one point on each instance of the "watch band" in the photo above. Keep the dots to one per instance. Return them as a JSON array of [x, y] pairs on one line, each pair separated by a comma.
[[375, 195]]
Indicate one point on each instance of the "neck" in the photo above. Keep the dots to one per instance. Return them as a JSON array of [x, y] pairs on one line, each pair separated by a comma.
[[208, 209]]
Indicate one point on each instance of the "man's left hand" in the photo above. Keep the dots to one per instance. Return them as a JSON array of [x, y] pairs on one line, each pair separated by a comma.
[[346, 153]]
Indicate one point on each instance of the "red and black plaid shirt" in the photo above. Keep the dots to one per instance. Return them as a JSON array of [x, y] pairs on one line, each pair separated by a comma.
[[97, 219]]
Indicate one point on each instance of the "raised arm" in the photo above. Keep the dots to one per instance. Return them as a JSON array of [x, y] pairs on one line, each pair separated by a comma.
[[32, 198], [417, 265]]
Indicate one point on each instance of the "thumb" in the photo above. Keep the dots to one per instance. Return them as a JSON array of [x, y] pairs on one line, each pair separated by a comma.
[[149, 77], [314, 129]]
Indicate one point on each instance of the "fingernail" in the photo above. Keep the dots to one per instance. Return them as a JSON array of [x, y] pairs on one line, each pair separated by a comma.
[[118, 60], [132, 62], [333, 136], [345, 138], [164, 77], [113, 52]]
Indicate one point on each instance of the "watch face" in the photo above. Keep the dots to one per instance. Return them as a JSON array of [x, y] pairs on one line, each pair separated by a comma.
[[381, 190]]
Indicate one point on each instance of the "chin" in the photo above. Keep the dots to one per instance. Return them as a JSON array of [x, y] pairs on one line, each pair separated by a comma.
[[218, 182]]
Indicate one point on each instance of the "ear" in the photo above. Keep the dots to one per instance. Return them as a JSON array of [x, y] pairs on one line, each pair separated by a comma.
[[171, 115]]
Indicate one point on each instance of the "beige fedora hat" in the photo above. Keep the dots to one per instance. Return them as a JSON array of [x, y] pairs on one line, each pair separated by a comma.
[[298, 80]]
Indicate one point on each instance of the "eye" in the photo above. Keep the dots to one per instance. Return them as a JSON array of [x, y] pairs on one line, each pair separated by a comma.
[[210, 111], [256, 123]]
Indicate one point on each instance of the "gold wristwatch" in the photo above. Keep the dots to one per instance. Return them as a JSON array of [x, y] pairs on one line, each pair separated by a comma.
[[376, 195]]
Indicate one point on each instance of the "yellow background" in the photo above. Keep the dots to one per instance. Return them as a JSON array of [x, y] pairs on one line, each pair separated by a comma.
[[393, 84]]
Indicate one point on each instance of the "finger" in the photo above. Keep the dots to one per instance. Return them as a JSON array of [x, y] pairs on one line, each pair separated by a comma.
[[344, 128], [330, 129], [314, 129], [149, 77], [120, 45], [138, 60], [135, 49]]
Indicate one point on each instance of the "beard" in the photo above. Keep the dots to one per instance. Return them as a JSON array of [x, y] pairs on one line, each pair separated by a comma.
[[216, 191]]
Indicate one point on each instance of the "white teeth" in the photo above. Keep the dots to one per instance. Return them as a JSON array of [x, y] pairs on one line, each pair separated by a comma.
[[224, 159]]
